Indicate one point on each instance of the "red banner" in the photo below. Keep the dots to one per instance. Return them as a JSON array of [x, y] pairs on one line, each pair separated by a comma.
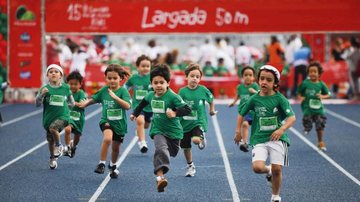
[[25, 44], [162, 16]]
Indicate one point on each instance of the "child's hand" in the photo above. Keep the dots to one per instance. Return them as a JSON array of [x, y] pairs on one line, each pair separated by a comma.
[[237, 138], [170, 113], [112, 94], [81, 104], [275, 136], [231, 104], [44, 91], [212, 113], [251, 90], [132, 117]]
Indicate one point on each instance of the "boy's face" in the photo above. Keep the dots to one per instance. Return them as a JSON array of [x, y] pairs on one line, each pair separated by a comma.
[[266, 81], [248, 76], [54, 75], [113, 80], [313, 73], [75, 85], [193, 78], [159, 84], [144, 67]]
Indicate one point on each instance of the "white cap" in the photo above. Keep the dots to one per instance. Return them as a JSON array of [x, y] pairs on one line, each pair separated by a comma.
[[55, 66], [273, 69]]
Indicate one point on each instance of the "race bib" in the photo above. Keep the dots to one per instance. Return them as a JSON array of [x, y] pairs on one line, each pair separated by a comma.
[[140, 94], [57, 100], [268, 123], [158, 106], [114, 114], [314, 103], [74, 115], [192, 116]]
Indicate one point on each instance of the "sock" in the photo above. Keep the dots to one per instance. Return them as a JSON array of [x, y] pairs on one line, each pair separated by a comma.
[[103, 162], [158, 178], [112, 164], [269, 168], [190, 164], [276, 197]]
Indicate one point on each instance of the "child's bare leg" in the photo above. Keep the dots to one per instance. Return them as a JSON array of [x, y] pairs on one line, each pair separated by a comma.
[[320, 134], [260, 168], [188, 155], [76, 140], [140, 123], [115, 151], [56, 135], [51, 145], [67, 135], [245, 131], [276, 178], [107, 138], [196, 140]]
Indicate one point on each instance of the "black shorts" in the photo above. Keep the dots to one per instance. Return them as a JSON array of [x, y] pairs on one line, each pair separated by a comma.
[[115, 137], [147, 116], [195, 132], [74, 131]]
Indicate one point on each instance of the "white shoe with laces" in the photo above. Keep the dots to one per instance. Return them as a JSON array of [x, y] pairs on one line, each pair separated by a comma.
[[58, 151], [190, 170], [143, 146], [53, 163]]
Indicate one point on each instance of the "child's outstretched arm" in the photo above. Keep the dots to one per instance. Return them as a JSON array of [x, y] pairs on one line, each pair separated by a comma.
[[238, 137], [212, 109], [120, 101], [71, 101], [275, 136], [234, 101], [86, 103], [138, 109], [40, 96]]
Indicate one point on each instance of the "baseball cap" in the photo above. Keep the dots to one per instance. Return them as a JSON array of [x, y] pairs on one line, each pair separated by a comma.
[[55, 66], [273, 69]]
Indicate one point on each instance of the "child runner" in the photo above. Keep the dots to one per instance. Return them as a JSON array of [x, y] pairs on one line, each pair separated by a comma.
[[195, 124], [244, 91], [56, 98], [115, 100], [140, 83], [273, 116], [310, 92], [165, 130], [77, 115]]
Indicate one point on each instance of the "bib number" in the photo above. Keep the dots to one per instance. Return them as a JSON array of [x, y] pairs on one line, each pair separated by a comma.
[[158, 106], [268, 123], [193, 116], [140, 94], [57, 100], [314, 104], [114, 114], [74, 115]]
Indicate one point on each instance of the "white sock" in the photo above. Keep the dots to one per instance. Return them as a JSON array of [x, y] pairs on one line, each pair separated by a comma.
[[275, 197], [158, 178], [269, 169], [111, 163], [104, 162]]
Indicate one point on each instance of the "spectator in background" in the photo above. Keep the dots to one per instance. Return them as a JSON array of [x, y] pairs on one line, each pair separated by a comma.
[[208, 69], [79, 61], [337, 50], [222, 53], [242, 57], [222, 70], [207, 52], [294, 44], [52, 51], [130, 51], [276, 54], [301, 60], [352, 55]]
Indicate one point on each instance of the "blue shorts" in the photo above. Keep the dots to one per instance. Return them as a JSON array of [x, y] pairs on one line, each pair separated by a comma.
[[248, 118]]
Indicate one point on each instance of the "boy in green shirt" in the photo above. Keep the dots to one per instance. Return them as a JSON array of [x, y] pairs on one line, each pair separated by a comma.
[[115, 100], [55, 97], [310, 92], [273, 116], [77, 115], [166, 130], [195, 124]]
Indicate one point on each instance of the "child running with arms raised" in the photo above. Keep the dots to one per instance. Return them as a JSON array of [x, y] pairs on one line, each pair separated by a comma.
[[56, 98], [244, 91], [115, 100], [195, 124], [310, 92], [165, 130], [140, 84], [77, 115], [273, 116]]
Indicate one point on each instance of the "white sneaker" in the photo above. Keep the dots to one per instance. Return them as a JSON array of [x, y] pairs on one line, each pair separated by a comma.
[[58, 151], [276, 199], [53, 163], [143, 146], [190, 171], [269, 176], [202, 144]]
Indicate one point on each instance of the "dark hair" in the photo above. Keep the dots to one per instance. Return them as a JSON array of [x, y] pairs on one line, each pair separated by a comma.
[[317, 65], [141, 58], [191, 67], [276, 80], [75, 75], [162, 70], [247, 67], [118, 69]]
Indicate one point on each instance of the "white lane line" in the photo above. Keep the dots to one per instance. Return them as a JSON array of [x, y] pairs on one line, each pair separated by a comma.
[[102, 186], [42, 144], [332, 113], [325, 156], [235, 194], [22, 117]]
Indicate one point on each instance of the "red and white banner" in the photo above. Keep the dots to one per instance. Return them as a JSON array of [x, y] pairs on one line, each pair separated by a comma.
[[188, 16], [25, 44]]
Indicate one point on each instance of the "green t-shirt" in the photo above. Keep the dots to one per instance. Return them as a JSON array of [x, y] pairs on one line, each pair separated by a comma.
[[244, 93], [195, 99], [222, 71], [55, 104], [112, 112], [270, 112], [209, 70], [77, 115], [141, 86], [312, 105], [161, 124]]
